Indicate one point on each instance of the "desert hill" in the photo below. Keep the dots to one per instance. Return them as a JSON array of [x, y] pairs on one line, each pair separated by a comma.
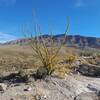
[[71, 41]]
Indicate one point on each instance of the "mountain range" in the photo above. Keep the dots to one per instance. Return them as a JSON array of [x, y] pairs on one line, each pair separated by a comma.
[[71, 40]]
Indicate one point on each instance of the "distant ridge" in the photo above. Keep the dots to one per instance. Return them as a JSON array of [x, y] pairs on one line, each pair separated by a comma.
[[72, 40]]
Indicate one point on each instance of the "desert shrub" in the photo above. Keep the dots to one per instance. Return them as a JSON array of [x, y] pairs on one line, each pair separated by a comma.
[[98, 55], [23, 75], [70, 58], [86, 53], [46, 53], [61, 71], [41, 73]]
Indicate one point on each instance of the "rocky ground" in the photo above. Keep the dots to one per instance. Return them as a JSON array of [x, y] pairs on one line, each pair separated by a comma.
[[73, 87], [83, 83]]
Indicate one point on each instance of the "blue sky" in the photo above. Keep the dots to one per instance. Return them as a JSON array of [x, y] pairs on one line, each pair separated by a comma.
[[52, 15]]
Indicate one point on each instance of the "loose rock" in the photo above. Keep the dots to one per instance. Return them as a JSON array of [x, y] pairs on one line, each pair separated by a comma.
[[87, 96], [89, 70], [3, 87]]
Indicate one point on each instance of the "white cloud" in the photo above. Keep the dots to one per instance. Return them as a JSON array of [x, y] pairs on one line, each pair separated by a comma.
[[6, 37], [6, 3], [79, 3]]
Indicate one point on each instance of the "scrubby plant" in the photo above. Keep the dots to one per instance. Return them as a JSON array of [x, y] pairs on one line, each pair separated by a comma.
[[98, 55], [61, 71], [46, 52], [71, 58], [86, 53], [23, 76], [41, 73]]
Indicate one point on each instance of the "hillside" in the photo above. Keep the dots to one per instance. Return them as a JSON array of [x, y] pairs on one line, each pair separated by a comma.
[[71, 41]]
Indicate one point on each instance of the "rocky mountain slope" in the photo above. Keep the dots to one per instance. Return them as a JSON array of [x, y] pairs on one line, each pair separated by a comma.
[[72, 41]]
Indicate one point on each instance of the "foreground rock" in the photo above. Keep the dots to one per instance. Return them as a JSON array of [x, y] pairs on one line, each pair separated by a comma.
[[74, 87], [89, 70]]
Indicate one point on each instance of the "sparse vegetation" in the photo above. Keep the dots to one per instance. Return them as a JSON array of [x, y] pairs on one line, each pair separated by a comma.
[[46, 53], [71, 58], [86, 53]]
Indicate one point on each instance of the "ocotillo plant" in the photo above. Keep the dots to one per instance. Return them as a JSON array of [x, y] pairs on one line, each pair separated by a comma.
[[46, 55]]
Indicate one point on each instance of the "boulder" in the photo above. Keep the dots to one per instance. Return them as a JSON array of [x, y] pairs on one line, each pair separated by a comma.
[[89, 70]]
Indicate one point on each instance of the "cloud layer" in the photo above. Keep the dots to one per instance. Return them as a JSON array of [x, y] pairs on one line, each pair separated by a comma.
[[6, 37]]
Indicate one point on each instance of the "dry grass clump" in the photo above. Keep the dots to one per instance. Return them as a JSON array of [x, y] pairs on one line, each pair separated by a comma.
[[86, 53], [66, 65], [61, 71], [98, 55], [71, 58]]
